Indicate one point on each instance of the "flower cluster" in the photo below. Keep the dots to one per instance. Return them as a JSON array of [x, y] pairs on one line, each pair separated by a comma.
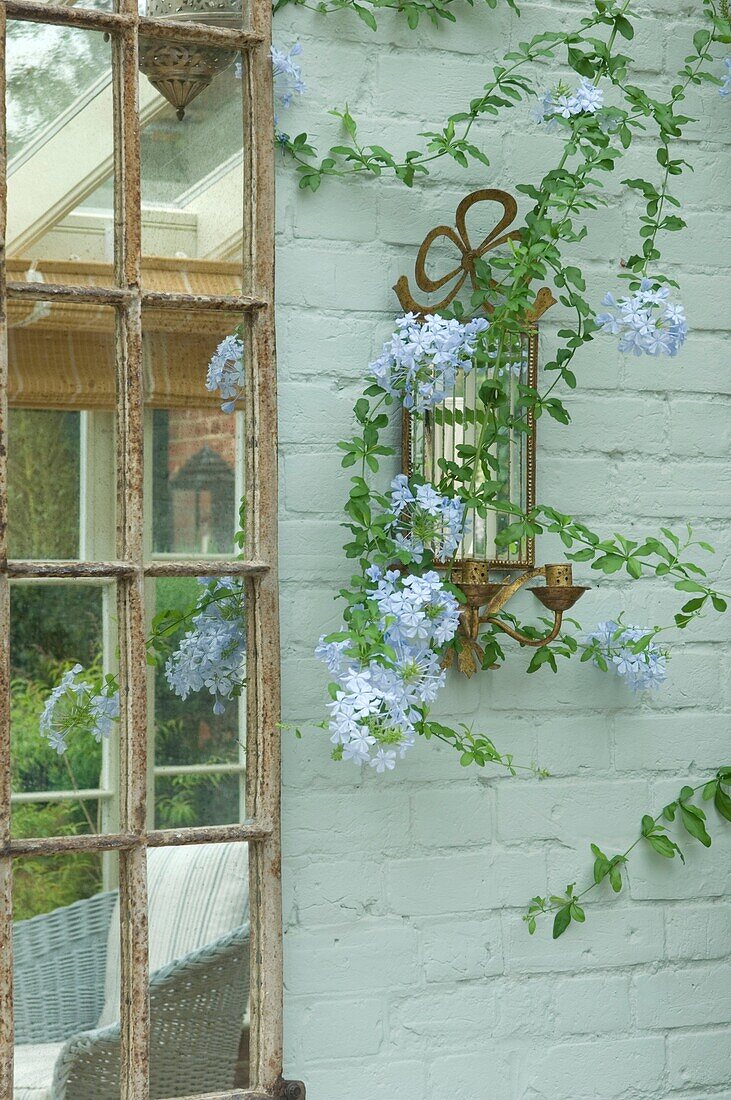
[[425, 519], [725, 88], [288, 80], [377, 704], [75, 704], [210, 655], [614, 643], [419, 363], [563, 103], [226, 372], [647, 322]]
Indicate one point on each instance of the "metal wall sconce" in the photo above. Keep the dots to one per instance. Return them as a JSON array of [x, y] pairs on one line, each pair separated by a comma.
[[180, 71], [485, 573]]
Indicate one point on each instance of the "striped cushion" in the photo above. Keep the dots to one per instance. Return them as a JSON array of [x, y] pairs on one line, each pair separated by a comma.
[[197, 893]]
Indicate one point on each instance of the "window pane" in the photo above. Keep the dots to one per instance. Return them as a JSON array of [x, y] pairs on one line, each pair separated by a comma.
[[65, 970], [194, 452], [192, 168], [43, 510], [61, 444], [55, 628], [199, 739], [60, 145], [199, 932]]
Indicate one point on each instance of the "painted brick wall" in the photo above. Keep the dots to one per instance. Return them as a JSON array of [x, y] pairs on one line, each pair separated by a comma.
[[409, 973]]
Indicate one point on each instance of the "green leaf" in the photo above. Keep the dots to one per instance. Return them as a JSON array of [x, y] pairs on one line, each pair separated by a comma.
[[694, 825], [663, 846], [561, 921], [367, 16], [624, 27], [722, 802]]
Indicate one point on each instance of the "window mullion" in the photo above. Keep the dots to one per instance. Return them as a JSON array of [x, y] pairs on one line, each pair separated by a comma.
[[134, 1054], [6, 866], [263, 682]]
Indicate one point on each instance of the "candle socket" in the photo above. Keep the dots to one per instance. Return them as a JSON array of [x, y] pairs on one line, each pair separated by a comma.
[[559, 575]]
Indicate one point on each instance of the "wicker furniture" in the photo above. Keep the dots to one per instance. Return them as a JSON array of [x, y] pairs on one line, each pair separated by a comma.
[[67, 983]]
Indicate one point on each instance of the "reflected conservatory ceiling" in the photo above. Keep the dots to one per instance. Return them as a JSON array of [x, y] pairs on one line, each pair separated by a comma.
[[191, 167]]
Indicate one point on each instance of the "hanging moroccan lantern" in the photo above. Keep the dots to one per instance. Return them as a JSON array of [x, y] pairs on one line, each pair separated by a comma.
[[181, 71]]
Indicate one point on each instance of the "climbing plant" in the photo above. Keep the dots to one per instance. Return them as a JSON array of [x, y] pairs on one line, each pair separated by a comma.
[[402, 608]]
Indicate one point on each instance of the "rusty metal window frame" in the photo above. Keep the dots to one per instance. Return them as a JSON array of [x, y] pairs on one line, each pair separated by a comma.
[[130, 569]]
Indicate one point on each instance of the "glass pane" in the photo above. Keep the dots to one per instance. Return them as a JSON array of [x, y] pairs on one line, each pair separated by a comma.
[[43, 511], [197, 701], [61, 448], [192, 167], [194, 472], [193, 449], [63, 743], [60, 141], [66, 975], [199, 933]]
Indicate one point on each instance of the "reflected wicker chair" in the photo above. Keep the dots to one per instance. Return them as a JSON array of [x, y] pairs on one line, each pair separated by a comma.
[[67, 983]]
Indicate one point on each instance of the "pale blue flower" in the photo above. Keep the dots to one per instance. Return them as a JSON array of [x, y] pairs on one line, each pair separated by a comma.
[[587, 97], [419, 363], [647, 322], [544, 113], [226, 372], [74, 705], [287, 75], [379, 703], [210, 655], [425, 519], [384, 760], [333, 654], [560, 102], [641, 671], [725, 88]]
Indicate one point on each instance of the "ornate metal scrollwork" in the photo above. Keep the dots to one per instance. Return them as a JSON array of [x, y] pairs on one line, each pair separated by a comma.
[[465, 269]]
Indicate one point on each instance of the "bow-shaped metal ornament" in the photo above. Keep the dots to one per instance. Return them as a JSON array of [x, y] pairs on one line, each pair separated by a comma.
[[468, 255]]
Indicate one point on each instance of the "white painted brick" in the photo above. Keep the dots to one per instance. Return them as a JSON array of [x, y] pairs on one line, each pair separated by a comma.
[[598, 1069], [568, 811], [458, 817], [363, 1078], [442, 1016], [680, 998], [363, 957], [364, 820], [702, 1058], [618, 936], [525, 1007], [462, 883], [706, 874], [459, 950], [700, 428], [466, 1075], [585, 1006], [676, 742], [329, 892], [698, 931], [321, 1022], [609, 425]]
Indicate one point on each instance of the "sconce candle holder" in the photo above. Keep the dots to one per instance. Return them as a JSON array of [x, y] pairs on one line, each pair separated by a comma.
[[485, 572]]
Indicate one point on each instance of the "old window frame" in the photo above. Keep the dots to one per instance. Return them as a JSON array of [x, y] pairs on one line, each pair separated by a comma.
[[130, 569]]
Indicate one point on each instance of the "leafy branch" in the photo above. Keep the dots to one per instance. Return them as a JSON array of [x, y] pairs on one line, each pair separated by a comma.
[[437, 11], [567, 907]]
